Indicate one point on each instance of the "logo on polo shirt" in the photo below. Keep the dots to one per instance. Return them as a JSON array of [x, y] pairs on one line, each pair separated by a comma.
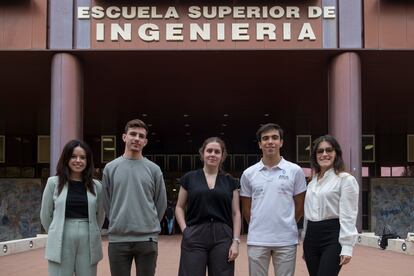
[[283, 175]]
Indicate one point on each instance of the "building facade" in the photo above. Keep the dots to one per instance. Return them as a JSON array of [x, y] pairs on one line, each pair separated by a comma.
[[83, 68]]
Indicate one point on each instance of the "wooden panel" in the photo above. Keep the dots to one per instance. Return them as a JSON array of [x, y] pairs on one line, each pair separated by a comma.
[[16, 20], [389, 24], [371, 14], [2, 13], [410, 26], [39, 24], [392, 25], [23, 24]]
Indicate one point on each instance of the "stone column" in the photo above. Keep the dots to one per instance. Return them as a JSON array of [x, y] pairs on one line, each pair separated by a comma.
[[66, 104], [345, 121]]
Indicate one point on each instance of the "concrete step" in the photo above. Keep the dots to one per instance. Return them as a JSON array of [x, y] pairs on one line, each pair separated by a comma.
[[22, 245], [405, 246]]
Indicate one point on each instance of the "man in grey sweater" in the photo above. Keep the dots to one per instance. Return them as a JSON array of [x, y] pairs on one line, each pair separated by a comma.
[[135, 201]]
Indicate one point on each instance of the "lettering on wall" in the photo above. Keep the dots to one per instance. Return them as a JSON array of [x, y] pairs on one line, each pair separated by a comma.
[[205, 23]]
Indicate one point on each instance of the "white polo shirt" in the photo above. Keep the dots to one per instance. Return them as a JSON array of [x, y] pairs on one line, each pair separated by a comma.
[[272, 221]]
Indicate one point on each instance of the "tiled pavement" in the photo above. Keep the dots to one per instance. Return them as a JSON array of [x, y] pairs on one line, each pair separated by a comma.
[[366, 262]]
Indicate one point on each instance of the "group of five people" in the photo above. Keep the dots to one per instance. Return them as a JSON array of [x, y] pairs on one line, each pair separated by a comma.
[[133, 198]]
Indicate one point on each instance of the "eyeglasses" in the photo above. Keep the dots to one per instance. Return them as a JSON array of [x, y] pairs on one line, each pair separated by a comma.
[[327, 150]]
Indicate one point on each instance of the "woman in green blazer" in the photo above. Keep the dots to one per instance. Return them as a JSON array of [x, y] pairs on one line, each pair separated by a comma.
[[72, 214]]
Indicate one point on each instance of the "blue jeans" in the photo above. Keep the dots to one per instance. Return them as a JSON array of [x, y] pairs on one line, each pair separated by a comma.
[[170, 225]]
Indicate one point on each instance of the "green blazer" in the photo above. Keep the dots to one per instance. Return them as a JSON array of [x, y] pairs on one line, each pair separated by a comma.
[[52, 217]]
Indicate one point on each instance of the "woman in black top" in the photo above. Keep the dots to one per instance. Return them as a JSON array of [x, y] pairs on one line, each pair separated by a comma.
[[211, 225], [72, 214]]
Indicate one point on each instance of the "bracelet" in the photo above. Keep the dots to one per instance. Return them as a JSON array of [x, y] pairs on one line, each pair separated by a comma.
[[236, 240]]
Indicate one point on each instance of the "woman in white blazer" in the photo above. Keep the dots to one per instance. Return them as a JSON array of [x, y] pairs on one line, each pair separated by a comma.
[[72, 214]]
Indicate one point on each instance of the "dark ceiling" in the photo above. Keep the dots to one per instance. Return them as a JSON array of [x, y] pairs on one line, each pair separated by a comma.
[[187, 96]]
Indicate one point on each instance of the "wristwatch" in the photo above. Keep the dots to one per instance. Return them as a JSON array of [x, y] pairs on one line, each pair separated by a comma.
[[236, 240]]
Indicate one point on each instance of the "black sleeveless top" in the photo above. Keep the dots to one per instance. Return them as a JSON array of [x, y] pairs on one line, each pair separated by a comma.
[[205, 204]]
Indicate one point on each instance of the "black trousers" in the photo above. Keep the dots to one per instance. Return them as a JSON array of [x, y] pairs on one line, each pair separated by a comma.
[[321, 248], [121, 255], [204, 246]]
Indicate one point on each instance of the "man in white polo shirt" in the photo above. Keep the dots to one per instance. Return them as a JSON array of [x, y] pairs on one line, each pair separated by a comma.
[[272, 194]]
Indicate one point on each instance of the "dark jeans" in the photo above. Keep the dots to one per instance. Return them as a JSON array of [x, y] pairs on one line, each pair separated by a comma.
[[321, 248], [206, 245], [121, 254]]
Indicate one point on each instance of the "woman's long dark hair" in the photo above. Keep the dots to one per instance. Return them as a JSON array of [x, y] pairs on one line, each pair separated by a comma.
[[338, 164], [63, 170]]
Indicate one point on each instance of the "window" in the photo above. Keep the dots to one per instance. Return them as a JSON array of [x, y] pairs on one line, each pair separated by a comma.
[[307, 172], [365, 171], [197, 161], [239, 162], [43, 149], [385, 171], [2, 149], [303, 148], [186, 162], [397, 171], [392, 171], [160, 160], [252, 159], [368, 148], [108, 148], [227, 163], [410, 148], [172, 163]]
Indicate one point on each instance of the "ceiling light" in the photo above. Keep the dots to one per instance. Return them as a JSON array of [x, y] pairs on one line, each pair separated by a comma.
[[226, 115], [266, 114], [144, 114], [187, 125], [223, 124], [369, 147], [186, 115]]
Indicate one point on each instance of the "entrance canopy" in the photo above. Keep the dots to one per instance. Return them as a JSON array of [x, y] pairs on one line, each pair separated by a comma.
[[187, 96]]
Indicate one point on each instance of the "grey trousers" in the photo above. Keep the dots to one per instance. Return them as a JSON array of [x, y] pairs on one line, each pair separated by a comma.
[[206, 246], [76, 258], [121, 255], [283, 257]]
